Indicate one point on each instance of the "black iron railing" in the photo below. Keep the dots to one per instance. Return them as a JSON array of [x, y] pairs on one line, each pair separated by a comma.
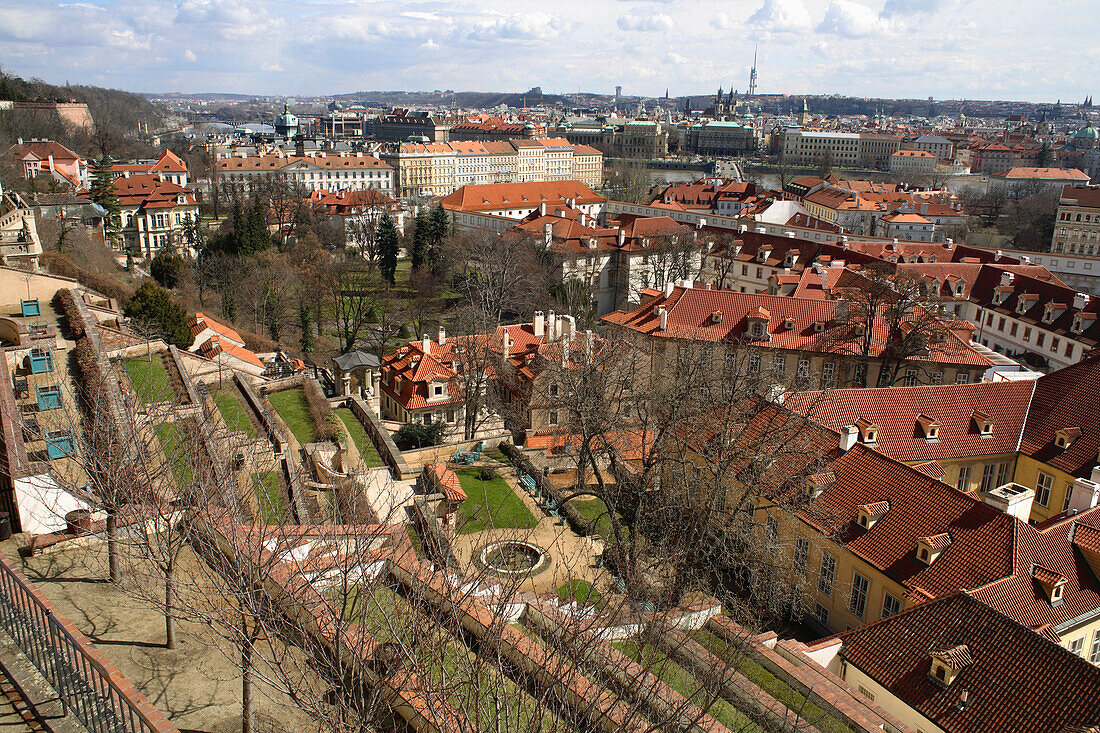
[[89, 687]]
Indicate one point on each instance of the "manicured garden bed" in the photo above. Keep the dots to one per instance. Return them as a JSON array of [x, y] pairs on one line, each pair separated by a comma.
[[359, 435], [176, 451], [233, 410], [292, 408], [490, 504], [150, 379], [269, 498]]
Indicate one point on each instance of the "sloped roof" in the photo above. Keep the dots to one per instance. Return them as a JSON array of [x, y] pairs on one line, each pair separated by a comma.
[[1063, 399], [896, 409], [494, 196], [1016, 680]]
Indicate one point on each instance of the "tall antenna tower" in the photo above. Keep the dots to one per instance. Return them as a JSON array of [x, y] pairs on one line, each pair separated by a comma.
[[752, 74]]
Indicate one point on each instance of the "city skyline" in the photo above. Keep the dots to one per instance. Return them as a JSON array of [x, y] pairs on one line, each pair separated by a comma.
[[947, 49]]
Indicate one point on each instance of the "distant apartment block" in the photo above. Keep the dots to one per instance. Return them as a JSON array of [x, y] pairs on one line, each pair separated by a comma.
[[320, 171], [841, 149]]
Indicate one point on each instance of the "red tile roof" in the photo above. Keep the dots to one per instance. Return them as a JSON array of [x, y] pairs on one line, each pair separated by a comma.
[[1066, 398], [896, 410], [446, 481], [689, 317], [1016, 680], [200, 322], [496, 196]]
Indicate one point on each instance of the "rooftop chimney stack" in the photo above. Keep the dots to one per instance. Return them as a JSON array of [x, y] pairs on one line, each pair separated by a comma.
[[622, 237], [702, 222], [442, 336], [1080, 301], [1084, 494], [551, 325], [669, 287], [997, 257], [1006, 279], [426, 344], [547, 235], [664, 318], [506, 343], [539, 324], [848, 436], [1011, 499]]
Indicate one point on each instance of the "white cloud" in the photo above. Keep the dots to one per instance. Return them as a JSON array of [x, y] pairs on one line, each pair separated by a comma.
[[645, 19], [849, 19], [429, 45], [782, 16], [722, 21], [910, 7], [190, 55]]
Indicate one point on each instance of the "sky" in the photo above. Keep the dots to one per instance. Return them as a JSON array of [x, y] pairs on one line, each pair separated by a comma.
[[947, 49]]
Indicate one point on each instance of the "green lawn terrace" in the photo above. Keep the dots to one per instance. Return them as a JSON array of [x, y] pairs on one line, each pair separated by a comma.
[[520, 662], [149, 376], [491, 504], [359, 437], [233, 409], [292, 408]]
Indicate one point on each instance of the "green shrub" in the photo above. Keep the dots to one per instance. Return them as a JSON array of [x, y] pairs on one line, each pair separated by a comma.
[[416, 435]]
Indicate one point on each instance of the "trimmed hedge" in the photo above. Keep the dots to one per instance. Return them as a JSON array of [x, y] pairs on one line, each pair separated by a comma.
[[325, 422], [64, 301]]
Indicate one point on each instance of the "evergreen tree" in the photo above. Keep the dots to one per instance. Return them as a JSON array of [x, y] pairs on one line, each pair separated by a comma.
[[1045, 157], [441, 225], [102, 192], [388, 246], [257, 237], [167, 268], [421, 239], [307, 332], [154, 305], [236, 241]]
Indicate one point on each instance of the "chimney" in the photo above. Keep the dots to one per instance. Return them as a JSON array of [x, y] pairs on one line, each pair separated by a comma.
[[686, 284], [669, 287], [125, 174], [848, 436], [551, 325], [923, 209], [702, 222], [1011, 499], [506, 343], [542, 209], [997, 257], [664, 318], [547, 235], [426, 344], [539, 324], [1080, 301], [442, 336], [1084, 494], [565, 342], [569, 327], [950, 243], [742, 228], [1006, 279], [622, 237]]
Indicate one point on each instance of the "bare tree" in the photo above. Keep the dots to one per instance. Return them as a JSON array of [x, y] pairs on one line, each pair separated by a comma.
[[495, 274]]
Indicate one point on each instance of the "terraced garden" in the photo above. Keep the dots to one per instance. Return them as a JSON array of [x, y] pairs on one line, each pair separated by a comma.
[[489, 698], [150, 378], [292, 408], [768, 682], [174, 444], [359, 436], [233, 410], [270, 499], [672, 674]]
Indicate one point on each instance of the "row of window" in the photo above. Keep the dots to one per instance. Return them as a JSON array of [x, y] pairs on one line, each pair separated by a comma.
[[857, 601], [1077, 646]]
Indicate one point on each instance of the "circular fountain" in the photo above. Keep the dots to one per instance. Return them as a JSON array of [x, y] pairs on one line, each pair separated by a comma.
[[513, 558]]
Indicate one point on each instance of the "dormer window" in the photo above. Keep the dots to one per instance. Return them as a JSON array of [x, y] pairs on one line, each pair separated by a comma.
[[869, 514], [716, 317], [819, 326], [929, 548], [983, 422], [762, 254], [818, 483], [790, 259], [788, 324], [960, 288], [1065, 437], [1053, 311], [930, 426], [1000, 294], [758, 323], [948, 662], [1051, 584], [859, 329], [868, 431], [1082, 322]]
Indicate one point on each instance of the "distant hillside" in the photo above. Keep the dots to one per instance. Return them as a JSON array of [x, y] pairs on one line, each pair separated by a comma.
[[480, 100]]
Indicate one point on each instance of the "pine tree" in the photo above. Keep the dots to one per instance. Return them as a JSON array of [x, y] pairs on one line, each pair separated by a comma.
[[154, 305], [441, 225], [1045, 157], [387, 248], [237, 242], [102, 192], [258, 238], [421, 239]]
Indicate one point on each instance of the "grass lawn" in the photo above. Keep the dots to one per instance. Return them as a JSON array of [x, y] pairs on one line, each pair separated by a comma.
[[490, 504], [269, 498], [359, 435], [579, 590], [672, 674], [767, 681], [595, 511], [233, 410], [291, 406], [176, 451], [414, 537], [150, 379]]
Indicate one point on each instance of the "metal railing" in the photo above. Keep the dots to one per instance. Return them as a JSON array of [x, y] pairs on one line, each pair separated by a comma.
[[90, 693]]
